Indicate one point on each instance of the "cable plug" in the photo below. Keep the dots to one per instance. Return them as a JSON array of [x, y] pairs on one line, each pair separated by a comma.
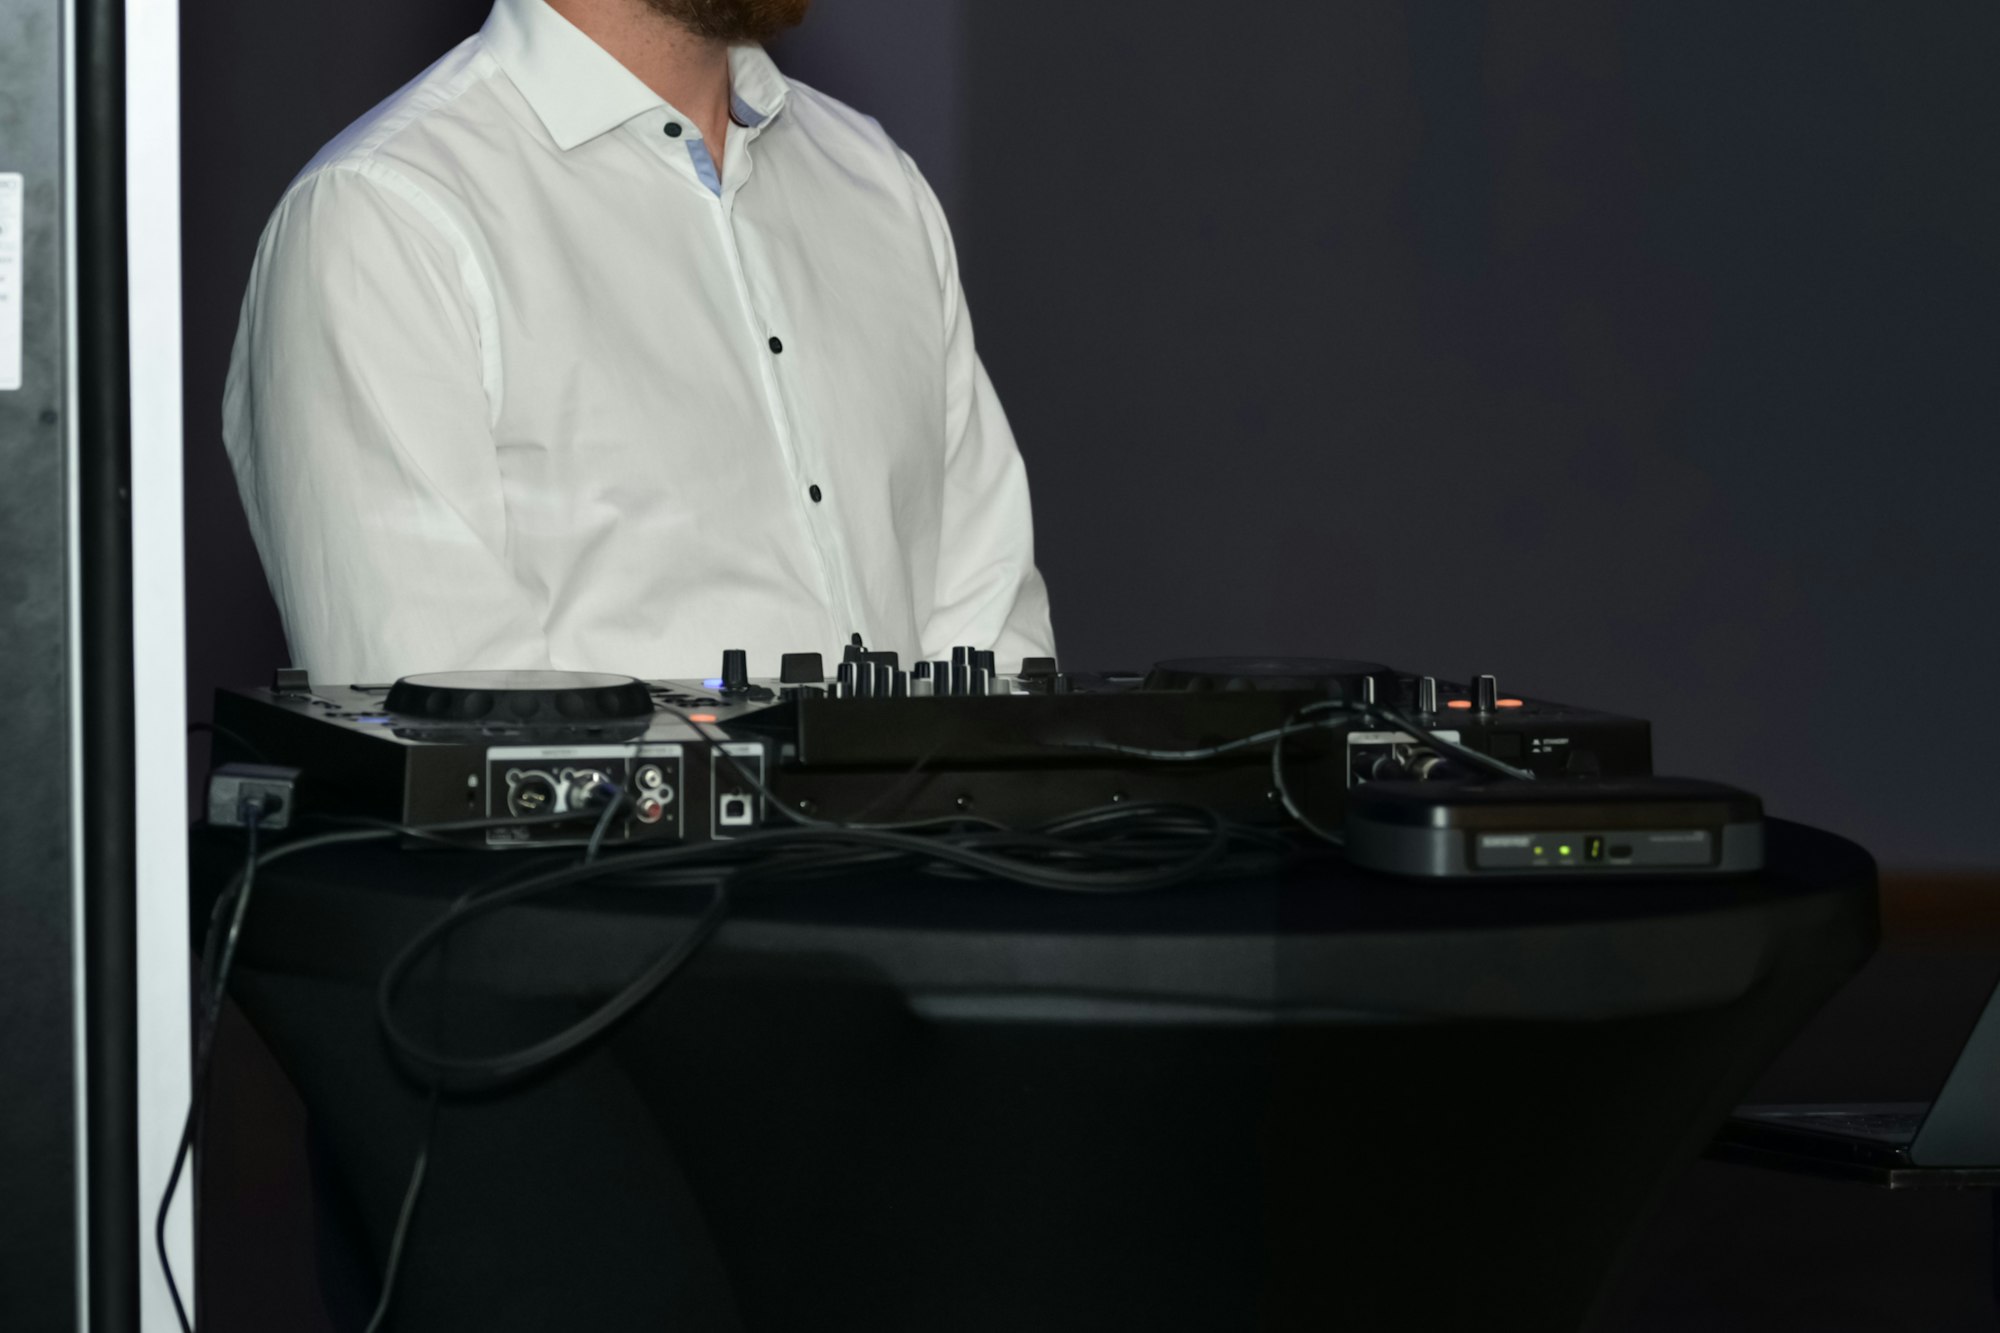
[[234, 790]]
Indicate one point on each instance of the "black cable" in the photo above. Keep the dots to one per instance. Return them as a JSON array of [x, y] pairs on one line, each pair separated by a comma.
[[420, 1168], [719, 741], [459, 1074], [1291, 805], [236, 739], [1119, 849], [611, 808], [1275, 734], [211, 1013], [218, 957], [1029, 857], [411, 1193], [442, 832], [1403, 722]]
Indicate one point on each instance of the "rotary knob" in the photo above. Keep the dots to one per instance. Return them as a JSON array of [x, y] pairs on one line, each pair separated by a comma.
[[801, 669], [735, 669], [1485, 693]]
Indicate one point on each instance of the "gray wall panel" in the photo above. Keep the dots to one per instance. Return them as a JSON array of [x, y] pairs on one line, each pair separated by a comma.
[[38, 1281]]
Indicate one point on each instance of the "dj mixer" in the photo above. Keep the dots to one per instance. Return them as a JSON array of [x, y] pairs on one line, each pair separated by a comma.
[[1263, 741]]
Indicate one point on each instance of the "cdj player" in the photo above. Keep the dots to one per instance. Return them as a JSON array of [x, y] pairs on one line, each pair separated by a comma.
[[1267, 741]]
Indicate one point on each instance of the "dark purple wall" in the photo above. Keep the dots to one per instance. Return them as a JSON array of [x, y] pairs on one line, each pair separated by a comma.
[[1643, 354]]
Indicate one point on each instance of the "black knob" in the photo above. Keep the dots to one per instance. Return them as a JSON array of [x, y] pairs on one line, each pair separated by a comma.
[[1038, 666], [1485, 693], [921, 670], [899, 685], [961, 656], [735, 669], [984, 660], [852, 652], [801, 669], [1427, 694], [843, 681]]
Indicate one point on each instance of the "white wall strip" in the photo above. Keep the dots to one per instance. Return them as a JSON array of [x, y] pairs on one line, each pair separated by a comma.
[[13, 254], [153, 216]]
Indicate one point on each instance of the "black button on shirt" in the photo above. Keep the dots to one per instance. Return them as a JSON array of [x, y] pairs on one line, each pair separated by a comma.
[[673, 129], [777, 346], [814, 493]]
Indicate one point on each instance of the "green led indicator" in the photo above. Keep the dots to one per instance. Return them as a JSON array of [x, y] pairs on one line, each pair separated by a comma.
[[1538, 851], [1563, 850]]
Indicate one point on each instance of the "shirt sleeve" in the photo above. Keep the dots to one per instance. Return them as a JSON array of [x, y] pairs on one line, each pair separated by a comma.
[[358, 417], [989, 593]]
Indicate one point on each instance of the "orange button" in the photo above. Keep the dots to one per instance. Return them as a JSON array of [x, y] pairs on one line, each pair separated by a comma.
[[701, 717], [1458, 703], [1509, 703]]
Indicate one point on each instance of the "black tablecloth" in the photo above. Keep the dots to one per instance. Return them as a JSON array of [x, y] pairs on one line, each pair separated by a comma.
[[1323, 1100]]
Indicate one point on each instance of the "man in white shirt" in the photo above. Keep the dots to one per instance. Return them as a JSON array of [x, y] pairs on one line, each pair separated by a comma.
[[601, 346]]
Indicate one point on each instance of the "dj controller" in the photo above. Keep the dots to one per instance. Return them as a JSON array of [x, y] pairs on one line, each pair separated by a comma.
[[496, 758]]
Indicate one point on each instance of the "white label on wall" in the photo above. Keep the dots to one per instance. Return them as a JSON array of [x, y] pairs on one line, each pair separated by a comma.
[[12, 243]]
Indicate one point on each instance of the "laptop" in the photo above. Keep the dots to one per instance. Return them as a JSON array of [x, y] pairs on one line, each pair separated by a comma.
[[1955, 1137]]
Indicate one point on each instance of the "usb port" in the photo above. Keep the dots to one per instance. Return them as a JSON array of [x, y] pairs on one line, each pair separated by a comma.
[[736, 810]]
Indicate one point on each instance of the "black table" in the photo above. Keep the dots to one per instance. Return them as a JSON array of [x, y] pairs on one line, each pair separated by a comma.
[[1326, 1100]]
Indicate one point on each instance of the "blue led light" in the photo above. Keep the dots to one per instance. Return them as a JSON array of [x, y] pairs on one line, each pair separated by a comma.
[[715, 684], [375, 721]]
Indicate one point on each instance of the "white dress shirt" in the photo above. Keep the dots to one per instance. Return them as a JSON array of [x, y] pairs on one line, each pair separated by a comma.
[[523, 381]]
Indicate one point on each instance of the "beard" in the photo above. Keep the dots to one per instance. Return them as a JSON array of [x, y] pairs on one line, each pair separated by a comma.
[[734, 21]]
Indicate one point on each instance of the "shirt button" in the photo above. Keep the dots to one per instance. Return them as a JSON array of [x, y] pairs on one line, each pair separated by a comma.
[[673, 129], [777, 346], [814, 493]]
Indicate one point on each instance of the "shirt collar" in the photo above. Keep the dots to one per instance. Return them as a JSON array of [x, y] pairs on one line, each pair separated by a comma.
[[581, 91]]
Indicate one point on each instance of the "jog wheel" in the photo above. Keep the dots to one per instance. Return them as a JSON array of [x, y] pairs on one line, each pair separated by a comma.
[[521, 698]]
